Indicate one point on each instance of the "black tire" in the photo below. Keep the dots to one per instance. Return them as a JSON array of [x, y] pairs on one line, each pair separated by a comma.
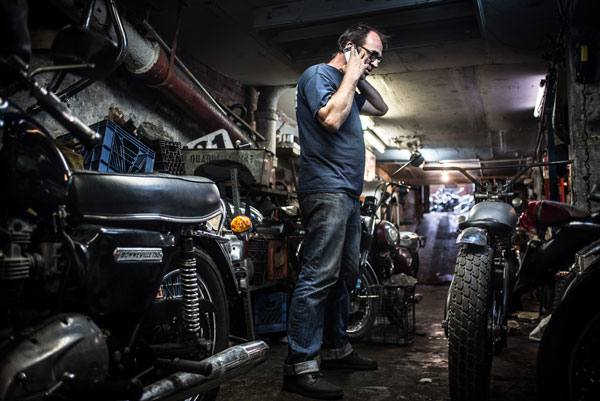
[[363, 311], [214, 324], [568, 364], [469, 320]]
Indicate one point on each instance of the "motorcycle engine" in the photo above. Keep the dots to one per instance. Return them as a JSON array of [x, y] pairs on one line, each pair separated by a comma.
[[64, 352], [19, 264], [15, 264]]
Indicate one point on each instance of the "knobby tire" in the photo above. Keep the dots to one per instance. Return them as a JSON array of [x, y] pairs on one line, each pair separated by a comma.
[[469, 316]]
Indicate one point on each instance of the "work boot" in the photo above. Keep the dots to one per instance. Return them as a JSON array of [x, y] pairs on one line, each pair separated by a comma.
[[312, 385], [349, 362]]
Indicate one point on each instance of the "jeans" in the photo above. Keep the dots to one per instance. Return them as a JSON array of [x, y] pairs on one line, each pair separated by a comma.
[[320, 305]]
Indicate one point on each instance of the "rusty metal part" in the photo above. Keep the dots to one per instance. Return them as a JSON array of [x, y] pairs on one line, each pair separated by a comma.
[[174, 85], [146, 60]]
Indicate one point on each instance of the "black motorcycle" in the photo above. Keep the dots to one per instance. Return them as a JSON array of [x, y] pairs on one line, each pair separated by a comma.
[[568, 363], [112, 286], [384, 252], [477, 306], [547, 261]]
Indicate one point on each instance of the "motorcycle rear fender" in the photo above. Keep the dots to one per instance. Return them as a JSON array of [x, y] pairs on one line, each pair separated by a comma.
[[473, 236], [216, 250], [367, 266]]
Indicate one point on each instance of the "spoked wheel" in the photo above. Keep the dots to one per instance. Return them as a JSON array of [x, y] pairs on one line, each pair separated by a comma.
[[568, 365], [496, 321], [165, 330], [471, 322], [363, 307]]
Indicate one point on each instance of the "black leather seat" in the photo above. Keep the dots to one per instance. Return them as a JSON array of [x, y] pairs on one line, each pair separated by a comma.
[[487, 224], [143, 197]]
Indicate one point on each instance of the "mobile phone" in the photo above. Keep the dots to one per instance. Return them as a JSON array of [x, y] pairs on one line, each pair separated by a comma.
[[347, 53]]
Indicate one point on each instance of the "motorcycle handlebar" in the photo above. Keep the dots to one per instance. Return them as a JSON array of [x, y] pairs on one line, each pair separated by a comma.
[[64, 116], [399, 185], [509, 183], [52, 104]]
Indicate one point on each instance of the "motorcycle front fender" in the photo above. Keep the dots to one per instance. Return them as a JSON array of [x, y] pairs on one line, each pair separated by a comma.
[[474, 236], [220, 255]]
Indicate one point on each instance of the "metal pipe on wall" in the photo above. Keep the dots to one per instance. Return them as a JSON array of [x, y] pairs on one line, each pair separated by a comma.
[[172, 83], [148, 62], [266, 115]]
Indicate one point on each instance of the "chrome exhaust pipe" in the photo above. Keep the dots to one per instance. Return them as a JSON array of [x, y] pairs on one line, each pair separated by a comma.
[[226, 365]]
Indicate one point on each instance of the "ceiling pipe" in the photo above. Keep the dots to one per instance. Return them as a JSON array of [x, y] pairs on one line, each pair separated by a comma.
[[147, 61], [175, 86]]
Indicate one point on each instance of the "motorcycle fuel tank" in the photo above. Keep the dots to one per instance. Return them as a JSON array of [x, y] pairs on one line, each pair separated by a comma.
[[387, 235], [491, 215]]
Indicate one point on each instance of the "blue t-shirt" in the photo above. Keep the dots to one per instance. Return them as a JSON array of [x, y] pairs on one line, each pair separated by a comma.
[[329, 162]]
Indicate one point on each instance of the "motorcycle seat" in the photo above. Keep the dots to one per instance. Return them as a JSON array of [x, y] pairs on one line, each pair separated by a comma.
[[143, 197], [488, 224], [574, 213]]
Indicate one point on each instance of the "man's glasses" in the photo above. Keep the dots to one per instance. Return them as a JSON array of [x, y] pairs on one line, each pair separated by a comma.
[[373, 55]]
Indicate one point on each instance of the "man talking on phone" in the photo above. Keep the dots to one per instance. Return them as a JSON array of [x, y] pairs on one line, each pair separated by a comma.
[[330, 98]]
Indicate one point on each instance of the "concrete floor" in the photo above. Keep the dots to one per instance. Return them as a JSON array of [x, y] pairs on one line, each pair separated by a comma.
[[415, 372]]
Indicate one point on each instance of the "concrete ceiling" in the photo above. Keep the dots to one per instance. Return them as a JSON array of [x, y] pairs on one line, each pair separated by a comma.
[[460, 76]]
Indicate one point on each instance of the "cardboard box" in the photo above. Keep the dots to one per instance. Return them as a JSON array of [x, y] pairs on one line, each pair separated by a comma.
[[258, 161]]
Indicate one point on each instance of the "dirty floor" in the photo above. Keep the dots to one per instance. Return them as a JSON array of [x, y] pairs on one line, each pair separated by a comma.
[[414, 372]]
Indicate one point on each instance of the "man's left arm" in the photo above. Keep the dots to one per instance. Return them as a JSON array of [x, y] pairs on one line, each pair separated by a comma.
[[374, 104]]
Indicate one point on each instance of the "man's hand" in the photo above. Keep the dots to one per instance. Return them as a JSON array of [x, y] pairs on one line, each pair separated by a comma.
[[355, 70], [374, 104], [357, 64]]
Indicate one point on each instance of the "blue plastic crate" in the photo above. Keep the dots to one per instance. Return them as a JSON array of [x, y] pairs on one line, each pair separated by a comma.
[[119, 152], [270, 312]]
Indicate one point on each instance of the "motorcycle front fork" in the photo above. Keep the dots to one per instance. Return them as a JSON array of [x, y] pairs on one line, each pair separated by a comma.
[[500, 318]]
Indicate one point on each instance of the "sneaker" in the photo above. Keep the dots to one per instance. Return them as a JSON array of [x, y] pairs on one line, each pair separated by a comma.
[[312, 385], [350, 362]]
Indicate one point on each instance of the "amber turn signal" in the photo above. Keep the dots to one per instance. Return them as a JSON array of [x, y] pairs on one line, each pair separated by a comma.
[[239, 224]]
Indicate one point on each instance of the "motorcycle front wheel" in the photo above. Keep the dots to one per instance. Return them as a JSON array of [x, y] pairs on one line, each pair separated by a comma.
[[470, 318], [166, 325], [363, 306], [568, 363]]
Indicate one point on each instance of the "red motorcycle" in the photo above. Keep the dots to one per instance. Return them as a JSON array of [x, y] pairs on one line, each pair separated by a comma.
[[385, 252]]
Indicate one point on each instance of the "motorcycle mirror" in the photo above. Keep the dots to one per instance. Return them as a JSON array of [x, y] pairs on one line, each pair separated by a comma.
[[75, 45], [416, 159]]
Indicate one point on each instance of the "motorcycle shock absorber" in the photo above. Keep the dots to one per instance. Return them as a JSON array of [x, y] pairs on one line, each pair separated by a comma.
[[189, 287]]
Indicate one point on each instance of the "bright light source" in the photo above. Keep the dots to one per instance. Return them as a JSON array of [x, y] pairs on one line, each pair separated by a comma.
[[379, 131], [373, 140], [538, 100], [445, 176], [367, 123]]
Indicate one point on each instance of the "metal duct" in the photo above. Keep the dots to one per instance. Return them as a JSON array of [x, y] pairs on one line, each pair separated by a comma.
[[182, 92], [266, 114], [147, 61]]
